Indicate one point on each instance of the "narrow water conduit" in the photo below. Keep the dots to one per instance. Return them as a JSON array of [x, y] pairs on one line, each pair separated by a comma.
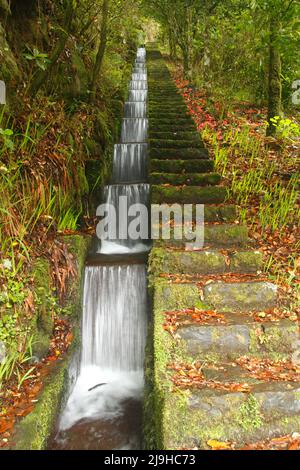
[[104, 408]]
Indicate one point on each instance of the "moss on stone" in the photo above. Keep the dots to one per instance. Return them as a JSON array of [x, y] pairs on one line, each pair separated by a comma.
[[189, 179], [188, 194], [174, 262], [181, 166], [173, 144], [246, 262], [34, 430], [78, 246], [180, 154], [226, 235], [43, 321]]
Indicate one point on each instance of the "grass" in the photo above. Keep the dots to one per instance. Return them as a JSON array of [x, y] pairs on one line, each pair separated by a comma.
[[267, 203]]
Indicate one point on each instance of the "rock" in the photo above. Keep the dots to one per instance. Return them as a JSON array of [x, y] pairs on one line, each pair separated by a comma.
[[246, 262], [244, 338], [242, 296]]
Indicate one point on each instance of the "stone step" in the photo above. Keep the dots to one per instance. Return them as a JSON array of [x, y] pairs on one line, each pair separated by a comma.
[[179, 153], [205, 262], [169, 119], [215, 236], [174, 127], [193, 418], [181, 135], [175, 144], [180, 166], [241, 296], [239, 336], [188, 194], [189, 179]]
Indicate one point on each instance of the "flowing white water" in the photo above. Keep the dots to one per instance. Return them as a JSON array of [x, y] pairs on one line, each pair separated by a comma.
[[139, 76], [115, 304], [120, 241], [138, 95], [135, 109], [134, 130], [138, 85], [130, 162]]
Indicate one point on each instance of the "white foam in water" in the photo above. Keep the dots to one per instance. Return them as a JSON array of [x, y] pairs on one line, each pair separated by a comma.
[[114, 248], [103, 402]]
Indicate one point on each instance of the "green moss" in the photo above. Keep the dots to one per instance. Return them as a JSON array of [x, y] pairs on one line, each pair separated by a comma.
[[206, 262], [226, 235], [174, 144], [181, 166], [188, 194], [34, 430], [249, 414], [196, 179], [43, 321], [78, 246], [246, 262]]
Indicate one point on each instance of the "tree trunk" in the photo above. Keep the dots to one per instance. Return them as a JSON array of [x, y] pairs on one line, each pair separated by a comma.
[[101, 50], [186, 61], [172, 45], [275, 85], [42, 76]]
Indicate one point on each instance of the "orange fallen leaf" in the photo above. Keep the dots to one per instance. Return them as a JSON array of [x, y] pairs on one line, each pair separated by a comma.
[[217, 445]]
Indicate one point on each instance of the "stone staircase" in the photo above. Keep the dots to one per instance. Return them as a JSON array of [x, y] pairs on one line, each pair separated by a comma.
[[200, 383]]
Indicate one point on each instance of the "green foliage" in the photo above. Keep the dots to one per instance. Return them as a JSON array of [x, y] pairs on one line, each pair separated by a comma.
[[38, 57], [286, 129]]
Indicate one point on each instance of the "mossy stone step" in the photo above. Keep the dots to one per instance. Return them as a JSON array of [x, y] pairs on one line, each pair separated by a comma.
[[239, 337], [180, 119], [205, 262], [188, 195], [185, 135], [179, 154], [181, 135], [241, 296], [193, 418], [189, 179], [215, 236], [165, 110], [174, 144], [166, 122], [179, 166], [164, 104], [221, 213]]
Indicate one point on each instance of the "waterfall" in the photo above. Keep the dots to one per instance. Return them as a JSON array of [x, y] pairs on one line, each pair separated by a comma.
[[135, 109], [130, 162], [108, 391], [136, 76], [138, 95], [134, 130], [138, 85], [108, 334]]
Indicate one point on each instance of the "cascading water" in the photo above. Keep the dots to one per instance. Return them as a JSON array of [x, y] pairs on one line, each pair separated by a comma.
[[103, 410], [130, 162], [134, 130]]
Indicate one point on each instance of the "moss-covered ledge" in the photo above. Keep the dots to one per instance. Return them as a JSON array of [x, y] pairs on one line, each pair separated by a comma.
[[33, 431]]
